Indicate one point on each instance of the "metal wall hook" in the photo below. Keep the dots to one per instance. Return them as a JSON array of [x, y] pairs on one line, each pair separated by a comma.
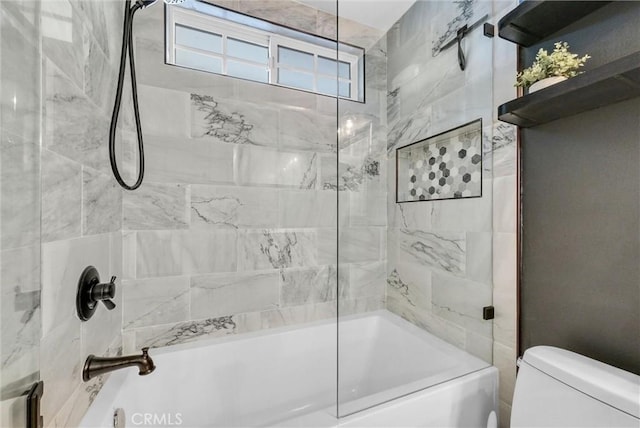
[[91, 291]]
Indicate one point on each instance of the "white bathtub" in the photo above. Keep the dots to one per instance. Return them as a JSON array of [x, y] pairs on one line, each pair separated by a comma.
[[390, 373]]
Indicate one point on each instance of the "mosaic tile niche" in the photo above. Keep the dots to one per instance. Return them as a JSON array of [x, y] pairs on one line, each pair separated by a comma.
[[445, 166]]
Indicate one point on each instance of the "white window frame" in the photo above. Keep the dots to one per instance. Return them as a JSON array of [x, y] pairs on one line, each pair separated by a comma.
[[176, 15]]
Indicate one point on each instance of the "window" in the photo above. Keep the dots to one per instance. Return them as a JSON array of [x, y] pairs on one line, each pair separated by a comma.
[[213, 39]]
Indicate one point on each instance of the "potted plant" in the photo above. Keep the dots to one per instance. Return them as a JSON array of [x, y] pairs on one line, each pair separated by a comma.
[[549, 69]]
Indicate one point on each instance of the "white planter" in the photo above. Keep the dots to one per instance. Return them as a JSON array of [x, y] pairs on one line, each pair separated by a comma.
[[541, 84]]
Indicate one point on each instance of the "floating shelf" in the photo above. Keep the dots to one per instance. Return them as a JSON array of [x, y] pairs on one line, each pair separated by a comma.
[[616, 81], [533, 21]]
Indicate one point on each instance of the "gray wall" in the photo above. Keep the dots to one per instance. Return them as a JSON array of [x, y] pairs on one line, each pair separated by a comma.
[[580, 284]]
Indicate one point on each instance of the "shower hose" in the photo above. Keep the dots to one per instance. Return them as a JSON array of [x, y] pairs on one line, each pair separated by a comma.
[[127, 45]]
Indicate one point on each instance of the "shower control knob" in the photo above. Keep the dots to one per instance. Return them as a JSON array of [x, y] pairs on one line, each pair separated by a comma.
[[105, 292], [91, 291]]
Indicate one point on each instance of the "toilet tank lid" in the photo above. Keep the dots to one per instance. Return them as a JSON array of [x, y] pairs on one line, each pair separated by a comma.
[[611, 385]]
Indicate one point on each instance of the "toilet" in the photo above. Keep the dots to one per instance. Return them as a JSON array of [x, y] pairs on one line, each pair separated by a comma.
[[559, 388]]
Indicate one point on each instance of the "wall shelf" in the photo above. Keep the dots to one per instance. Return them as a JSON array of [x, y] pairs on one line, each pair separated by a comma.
[[616, 81], [533, 21]]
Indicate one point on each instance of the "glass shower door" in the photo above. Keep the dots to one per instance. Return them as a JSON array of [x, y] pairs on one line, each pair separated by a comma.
[[415, 241], [20, 207]]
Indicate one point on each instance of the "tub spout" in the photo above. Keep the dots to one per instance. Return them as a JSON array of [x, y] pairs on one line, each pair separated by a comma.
[[95, 366]]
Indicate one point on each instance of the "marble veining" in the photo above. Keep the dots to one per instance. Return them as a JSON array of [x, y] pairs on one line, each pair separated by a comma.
[[443, 250], [102, 202], [233, 122], [278, 249], [302, 286], [156, 206], [349, 176], [188, 331], [233, 207], [394, 281]]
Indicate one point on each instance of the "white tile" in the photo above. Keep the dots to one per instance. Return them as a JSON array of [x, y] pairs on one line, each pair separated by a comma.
[[276, 249], [156, 206], [504, 204], [233, 207], [234, 293], [163, 111], [479, 257], [155, 301], [308, 285], [101, 203], [441, 250]]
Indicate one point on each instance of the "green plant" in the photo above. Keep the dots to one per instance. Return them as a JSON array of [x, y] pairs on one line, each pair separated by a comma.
[[560, 62]]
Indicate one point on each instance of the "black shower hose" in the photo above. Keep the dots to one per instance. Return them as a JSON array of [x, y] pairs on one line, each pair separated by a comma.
[[127, 45]]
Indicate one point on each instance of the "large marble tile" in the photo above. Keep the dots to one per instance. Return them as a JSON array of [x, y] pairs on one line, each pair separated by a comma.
[[305, 129], [505, 150], [60, 349], [233, 207], [20, 68], [19, 318], [182, 160], [367, 208], [467, 214], [182, 332], [19, 192], [61, 197], [410, 215], [479, 257], [155, 301], [365, 279], [351, 173], [62, 265], [277, 249], [308, 285], [164, 112], [260, 166], [101, 203], [441, 250], [291, 14], [234, 293], [62, 37], [156, 206], [170, 253], [505, 193], [461, 301], [104, 20], [158, 253], [304, 208], [100, 77], [409, 285], [229, 121], [72, 125], [505, 287], [356, 244]]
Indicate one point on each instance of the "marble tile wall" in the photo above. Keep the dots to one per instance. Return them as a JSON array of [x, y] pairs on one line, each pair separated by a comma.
[[448, 259], [20, 311], [81, 203], [236, 226]]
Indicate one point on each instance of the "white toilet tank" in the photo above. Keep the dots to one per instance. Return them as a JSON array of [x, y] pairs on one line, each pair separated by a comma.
[[559, 388]]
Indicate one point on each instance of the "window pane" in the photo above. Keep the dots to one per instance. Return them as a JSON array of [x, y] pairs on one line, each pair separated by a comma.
[[327, 85], [247, 71], [295, 79], [248, 51], [294, 58], [198, 61], [344, 70], [344, 89], [198, 39], [327, 66]]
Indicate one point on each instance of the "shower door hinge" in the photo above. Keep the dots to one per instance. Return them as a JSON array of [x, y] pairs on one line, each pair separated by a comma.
[[34, 396], [488, 313], [489, 30]]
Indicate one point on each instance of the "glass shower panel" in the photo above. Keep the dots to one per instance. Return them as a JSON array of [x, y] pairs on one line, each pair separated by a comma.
[[415, 276], [20, 207]]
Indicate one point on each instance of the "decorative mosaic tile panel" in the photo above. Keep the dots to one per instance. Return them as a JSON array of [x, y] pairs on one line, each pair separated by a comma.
[[445, 166]]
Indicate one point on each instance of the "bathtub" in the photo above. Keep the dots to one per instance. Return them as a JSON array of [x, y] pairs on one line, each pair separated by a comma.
[[391, 373]]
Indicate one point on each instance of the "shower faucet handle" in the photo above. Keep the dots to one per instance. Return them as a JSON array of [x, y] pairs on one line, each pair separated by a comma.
[[104, 292]]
